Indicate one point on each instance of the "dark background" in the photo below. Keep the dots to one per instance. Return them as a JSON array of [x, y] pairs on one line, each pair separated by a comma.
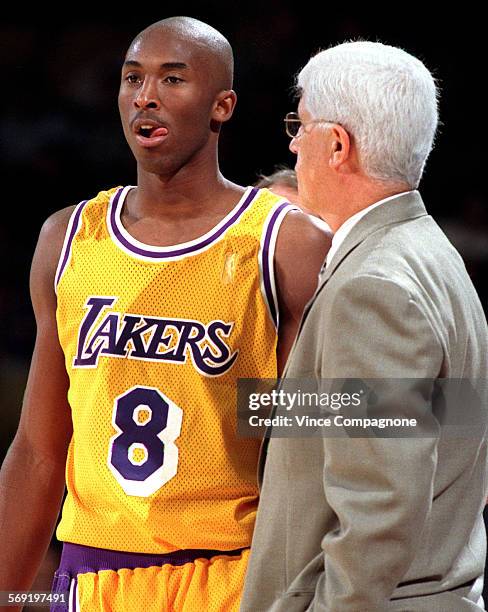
[[61, 140]]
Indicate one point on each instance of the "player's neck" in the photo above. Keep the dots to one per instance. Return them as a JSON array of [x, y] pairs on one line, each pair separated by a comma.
[[183, 193]]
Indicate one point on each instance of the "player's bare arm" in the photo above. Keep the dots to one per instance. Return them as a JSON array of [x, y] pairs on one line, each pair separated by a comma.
[[32, 475], [301, 248]]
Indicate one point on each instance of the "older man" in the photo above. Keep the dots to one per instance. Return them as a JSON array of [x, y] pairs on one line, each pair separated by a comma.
[[373, 523]]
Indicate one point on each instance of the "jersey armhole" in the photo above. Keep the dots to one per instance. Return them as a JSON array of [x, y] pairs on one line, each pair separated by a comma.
[[74, 225], [267, 248]]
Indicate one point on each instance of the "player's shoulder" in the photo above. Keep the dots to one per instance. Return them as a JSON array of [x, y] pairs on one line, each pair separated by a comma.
[[56, 225], [301, 232], [266, 197], [54, 228], [296, 225], [269, 201], [104, 197], [297, 219]]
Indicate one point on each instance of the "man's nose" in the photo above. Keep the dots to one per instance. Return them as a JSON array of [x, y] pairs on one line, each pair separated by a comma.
[[293, 146], [147, 96]]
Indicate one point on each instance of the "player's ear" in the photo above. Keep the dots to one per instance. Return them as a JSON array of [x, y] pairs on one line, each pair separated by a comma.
[[224, 105]]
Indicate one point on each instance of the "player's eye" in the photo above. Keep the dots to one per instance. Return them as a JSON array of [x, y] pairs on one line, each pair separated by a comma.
[[173, 79], [133, 79]]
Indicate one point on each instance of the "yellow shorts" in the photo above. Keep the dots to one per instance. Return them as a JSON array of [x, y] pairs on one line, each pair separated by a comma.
[[94, 580]]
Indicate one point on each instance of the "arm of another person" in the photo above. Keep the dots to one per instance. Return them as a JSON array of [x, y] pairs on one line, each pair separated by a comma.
[[301, 248], [380, 489], [32, 475]]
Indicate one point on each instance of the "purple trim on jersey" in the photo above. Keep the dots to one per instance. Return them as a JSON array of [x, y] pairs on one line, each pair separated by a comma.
[[182, 251], [77, 559], [267, 263], [73, 232]]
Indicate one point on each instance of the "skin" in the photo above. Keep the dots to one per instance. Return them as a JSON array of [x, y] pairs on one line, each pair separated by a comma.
[[291, 195], [331, 181], [178, 75]]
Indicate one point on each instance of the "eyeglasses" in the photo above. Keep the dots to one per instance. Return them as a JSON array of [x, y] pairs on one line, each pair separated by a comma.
[[293, 124]]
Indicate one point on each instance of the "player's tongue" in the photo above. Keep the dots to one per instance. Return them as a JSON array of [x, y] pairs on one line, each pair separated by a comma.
[[160, 131]]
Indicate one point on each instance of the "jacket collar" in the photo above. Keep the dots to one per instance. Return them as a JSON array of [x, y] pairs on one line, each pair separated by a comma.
[[403, 208]]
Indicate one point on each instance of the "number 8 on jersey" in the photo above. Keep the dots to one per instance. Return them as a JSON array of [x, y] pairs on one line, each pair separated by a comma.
[[142, 455]]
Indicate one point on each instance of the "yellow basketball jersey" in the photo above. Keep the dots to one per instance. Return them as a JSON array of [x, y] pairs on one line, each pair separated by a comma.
[[155, 339]]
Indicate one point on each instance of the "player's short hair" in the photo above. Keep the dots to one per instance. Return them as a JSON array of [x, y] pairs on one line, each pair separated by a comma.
[[282, 175], [384, 97]]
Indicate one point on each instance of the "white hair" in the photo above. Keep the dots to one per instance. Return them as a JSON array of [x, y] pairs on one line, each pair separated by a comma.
[[384, 97]]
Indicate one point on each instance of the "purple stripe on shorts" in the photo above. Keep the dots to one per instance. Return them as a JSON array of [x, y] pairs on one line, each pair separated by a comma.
[[74, 229], [73, 596], [77, 559], [182, 251], [267, 263], [61, 588]]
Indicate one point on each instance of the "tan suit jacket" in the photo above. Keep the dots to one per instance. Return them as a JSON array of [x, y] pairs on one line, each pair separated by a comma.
[[373, 524]]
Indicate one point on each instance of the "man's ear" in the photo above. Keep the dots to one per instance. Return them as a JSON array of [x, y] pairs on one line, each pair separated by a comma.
[[224, 105], [340, 146]]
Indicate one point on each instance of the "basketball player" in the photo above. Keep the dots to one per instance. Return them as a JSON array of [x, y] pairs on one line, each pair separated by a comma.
[[151, 301]]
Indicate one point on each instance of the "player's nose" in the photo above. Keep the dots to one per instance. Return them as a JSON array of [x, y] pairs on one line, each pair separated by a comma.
[[147, 96]]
